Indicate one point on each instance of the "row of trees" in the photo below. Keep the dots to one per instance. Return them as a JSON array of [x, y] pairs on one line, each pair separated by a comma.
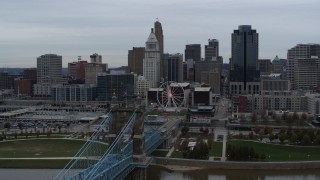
[[200, 150], [293, 136], [289, 117], [243, 153]]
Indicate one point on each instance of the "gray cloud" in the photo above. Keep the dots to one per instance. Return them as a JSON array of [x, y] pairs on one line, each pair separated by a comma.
[[80, 27]]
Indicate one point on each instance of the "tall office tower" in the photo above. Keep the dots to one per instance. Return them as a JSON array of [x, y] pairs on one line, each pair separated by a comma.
[[304, 66], [96, 58], [244, 73], [49, 72], [173, 68], [159, 34], [135, 60], [151, 61], [211, 51], [192, 51]]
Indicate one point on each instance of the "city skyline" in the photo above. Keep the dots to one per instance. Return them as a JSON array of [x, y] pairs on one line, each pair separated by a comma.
[[30, 29]]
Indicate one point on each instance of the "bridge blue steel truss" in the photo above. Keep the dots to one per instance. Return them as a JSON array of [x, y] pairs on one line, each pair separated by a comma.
[[117, 161], [91, 151]]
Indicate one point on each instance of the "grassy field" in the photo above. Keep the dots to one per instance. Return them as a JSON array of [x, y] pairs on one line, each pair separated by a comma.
[[158, 153], [216, 151], [282, 152], [176, 154], [40, 148], [33, 164]]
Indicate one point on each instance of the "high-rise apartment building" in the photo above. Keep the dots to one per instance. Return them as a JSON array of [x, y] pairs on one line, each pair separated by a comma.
[[304, 66], [173, 68], [192, 51], [49, 72], [159, 34], [151, 61], [211, 51], [244, 73], [135, 60], [96, 58]]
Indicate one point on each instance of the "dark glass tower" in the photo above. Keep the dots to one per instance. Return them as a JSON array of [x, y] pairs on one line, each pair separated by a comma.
[[193, 51], [243, 63]]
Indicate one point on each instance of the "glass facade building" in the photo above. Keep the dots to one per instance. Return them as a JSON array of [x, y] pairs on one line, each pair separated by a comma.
[[243, 63], [119, 85]]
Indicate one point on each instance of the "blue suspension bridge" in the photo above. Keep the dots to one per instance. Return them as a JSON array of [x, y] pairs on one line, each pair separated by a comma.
[[121, 145]]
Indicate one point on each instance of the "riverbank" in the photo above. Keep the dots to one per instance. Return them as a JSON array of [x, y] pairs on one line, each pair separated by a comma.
[[191, 164]]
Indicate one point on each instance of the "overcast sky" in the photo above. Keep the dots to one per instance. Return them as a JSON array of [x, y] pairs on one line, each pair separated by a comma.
[[72, 28]]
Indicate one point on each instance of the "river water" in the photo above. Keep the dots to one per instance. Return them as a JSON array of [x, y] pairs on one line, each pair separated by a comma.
[[158, 173]]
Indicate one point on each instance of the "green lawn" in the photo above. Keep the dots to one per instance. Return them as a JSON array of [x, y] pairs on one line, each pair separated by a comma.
[[216, 151], [282, 152], [176, 154], [40, 148], [33, 164], [158, 153]]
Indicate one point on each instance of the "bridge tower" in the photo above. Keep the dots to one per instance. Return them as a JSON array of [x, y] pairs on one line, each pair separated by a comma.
[[121, 115]]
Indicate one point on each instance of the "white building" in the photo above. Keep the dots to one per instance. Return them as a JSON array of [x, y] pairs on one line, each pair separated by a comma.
[[313, 103], [151, 62], [142, 86]]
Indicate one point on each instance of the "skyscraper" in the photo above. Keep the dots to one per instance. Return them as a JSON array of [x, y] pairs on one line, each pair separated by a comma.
[[49, 72], [151, 61], [304, 66], [211, 51], [173, 67], [159, 34], [135, 60], [192, 51], [244, 73]]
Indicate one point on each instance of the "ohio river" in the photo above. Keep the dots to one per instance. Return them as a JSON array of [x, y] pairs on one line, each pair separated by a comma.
[[156, 173]]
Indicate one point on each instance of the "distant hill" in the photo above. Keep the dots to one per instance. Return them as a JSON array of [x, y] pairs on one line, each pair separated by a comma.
[[12, 71]]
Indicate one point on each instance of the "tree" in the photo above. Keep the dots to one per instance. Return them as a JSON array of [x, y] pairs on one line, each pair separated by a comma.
[[318, 139], [284, 116], [184, 145], [304, 116], [254, 117], [261, 132], [270, 130], [251, 135], [59, 127], [20, 125], [7, 126], [210, 141], [184, 130], [293, 138], [264, 115], [295, 116], [282, 137], [271, 137], [256, 130], [306, 140]]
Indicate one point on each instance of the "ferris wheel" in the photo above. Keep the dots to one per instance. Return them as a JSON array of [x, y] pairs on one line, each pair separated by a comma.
[[170, 96]]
